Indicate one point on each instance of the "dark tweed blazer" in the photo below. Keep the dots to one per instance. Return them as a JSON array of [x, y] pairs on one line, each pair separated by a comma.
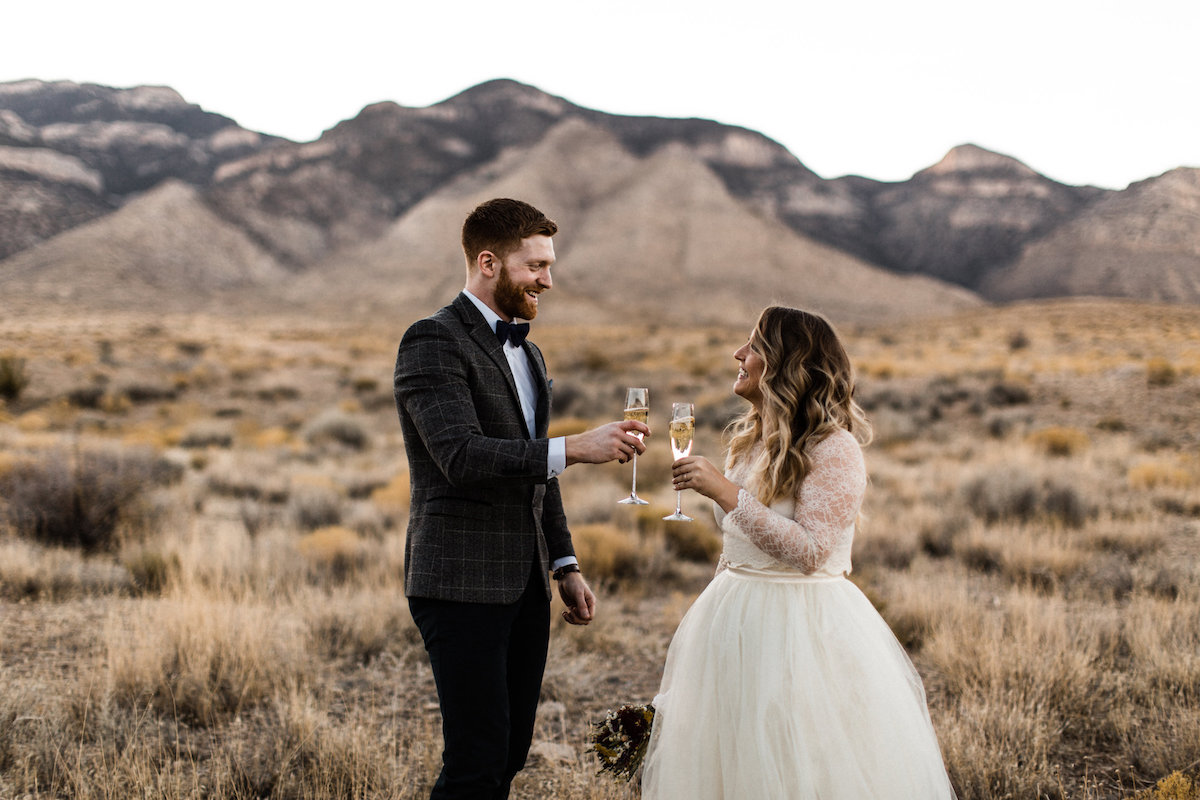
[[482, 509]]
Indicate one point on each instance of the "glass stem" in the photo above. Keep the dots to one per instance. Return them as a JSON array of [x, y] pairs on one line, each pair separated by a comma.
[[633, 490], [678, 499]]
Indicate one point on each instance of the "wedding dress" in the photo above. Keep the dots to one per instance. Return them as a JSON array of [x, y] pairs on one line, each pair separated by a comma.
[[782, 681]]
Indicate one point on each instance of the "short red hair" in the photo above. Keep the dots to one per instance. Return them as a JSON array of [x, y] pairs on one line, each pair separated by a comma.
[[499, 226]]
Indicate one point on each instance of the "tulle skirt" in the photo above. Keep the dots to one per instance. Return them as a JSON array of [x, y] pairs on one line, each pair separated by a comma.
[[779, 685]]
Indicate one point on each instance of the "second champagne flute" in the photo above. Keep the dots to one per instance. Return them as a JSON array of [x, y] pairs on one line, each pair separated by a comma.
[[683, 427], [637, 406]]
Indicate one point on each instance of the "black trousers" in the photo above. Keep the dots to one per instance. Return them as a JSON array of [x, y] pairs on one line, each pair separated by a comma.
[[487, 661]]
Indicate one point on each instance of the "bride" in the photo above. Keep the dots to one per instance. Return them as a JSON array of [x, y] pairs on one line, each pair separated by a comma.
[[782, 680]]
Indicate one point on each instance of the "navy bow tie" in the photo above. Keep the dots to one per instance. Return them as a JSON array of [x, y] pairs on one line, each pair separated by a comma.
[[514, 332]]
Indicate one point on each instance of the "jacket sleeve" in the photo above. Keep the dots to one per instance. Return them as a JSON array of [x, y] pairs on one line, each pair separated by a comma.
[[436, 386], [554, 523]]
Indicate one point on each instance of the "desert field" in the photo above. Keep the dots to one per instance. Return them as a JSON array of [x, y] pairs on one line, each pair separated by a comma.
[[202, 526]]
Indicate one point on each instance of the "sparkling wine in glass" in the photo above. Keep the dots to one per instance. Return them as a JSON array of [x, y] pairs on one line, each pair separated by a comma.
[[683, 426], [637, 406]]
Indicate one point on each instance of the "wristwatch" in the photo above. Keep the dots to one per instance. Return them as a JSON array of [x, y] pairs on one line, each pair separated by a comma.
[[562, 571]]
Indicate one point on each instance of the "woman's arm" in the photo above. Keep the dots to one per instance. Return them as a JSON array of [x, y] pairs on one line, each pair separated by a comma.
[[827, 504]]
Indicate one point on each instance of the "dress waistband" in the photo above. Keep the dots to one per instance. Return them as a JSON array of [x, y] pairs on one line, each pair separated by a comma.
[[778, 575]]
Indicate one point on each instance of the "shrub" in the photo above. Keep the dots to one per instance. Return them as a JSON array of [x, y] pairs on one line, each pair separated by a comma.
[[1015, 495], [893, 428], [605, 552], [278, 393], [269, 438], [246, 485], [361, 486], [367, 520], [693, 542], [393, 498], [151, 571], [78, 499], [362, 625], [1152, 474], [999, 426], [1160, 372], [596, 359], [13, 377], [1175, 786], [937, 537], [311, 507], [877, 368], [34, 422], [335, 427], [1059, 440], [1008, 394], [207, 434], [148, 393], [191, 349], [937, 542], [648, 520], [86, 396], [334, 550]]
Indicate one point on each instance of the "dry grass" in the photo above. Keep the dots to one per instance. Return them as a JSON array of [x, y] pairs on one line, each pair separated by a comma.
[[1031, 535]]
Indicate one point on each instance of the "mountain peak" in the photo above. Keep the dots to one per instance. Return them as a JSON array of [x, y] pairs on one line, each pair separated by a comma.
[[972, 158], [150, 98], [509, 94], [499, 87]]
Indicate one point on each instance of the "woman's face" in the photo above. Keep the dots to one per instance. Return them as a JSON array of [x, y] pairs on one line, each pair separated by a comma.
[[749, 374]]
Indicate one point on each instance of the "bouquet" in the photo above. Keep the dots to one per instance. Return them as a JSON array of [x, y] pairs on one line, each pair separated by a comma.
[[620, 739]]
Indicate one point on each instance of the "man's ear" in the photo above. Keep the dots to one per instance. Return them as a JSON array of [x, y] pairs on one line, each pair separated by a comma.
[[487, 262]]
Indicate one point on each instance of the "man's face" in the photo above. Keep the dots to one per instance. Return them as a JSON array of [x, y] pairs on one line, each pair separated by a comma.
[[523, 275]]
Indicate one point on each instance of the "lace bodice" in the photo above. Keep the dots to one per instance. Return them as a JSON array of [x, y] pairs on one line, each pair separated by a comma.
[[811, 533]]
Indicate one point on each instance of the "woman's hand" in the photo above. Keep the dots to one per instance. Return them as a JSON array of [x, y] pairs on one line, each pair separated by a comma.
[[698, 474]]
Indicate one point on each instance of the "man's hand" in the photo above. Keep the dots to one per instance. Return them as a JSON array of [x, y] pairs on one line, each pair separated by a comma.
[[614, 441], [580, 602]]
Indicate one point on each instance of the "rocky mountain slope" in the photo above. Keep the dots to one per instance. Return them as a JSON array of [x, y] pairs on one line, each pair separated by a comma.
[[164, 249], [1143, 242], [655, 237], [70, 153], [349, 217]]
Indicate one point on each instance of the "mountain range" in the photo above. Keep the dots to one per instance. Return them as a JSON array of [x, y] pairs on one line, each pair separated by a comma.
[[117, 198]]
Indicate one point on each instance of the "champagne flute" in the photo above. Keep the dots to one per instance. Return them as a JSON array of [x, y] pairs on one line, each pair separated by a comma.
[[637, 406], [683, 426]]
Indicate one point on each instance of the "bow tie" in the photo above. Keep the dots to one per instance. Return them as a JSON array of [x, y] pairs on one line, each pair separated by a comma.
[[514, 332]]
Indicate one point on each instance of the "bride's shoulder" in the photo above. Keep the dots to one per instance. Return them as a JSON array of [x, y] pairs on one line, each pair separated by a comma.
[[839, 446]]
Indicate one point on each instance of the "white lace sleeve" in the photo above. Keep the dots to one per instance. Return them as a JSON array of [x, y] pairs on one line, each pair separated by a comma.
[[826, 507]]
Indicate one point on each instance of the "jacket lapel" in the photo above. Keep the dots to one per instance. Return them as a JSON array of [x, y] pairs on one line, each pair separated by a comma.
[[483, 335], [542, 413]]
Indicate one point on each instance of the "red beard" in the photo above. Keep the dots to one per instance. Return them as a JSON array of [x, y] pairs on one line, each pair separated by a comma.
[[511, 298]]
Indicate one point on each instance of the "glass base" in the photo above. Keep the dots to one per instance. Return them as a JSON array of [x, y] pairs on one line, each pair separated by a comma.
[[678, 517], [632, 500]]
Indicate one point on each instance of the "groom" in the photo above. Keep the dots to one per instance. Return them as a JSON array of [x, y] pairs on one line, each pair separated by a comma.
[[487, 524]]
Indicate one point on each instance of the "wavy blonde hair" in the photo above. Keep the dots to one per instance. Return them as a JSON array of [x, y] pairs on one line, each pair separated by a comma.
[[807, 388]]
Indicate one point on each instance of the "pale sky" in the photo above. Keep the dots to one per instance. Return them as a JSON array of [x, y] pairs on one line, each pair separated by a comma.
[[1084, 91]]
